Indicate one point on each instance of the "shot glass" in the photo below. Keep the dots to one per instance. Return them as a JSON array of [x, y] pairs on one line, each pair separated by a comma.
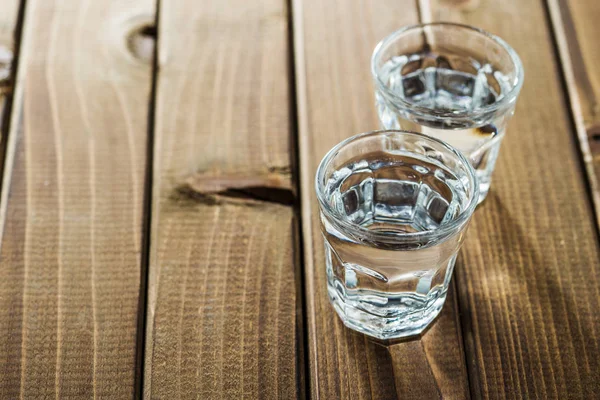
[[394, 208], [453, 82]]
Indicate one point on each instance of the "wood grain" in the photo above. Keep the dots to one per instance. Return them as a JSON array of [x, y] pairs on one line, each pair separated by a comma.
[[9, 320], [223, 318], [529, 274], [10, 9], [576, 29], [333, 45], [72, 201]]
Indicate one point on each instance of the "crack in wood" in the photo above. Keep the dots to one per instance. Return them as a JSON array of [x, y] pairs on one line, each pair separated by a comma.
[[272, 186], [246, 195]]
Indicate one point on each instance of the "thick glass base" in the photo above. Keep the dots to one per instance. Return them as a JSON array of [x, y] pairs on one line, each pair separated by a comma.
[[405, 315]]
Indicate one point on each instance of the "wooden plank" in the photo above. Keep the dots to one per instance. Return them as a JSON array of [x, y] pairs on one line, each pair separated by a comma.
[[333, 45], [530, 272], [8, 26], [72, 203], [8, 48], [576, 29], [223, 318]]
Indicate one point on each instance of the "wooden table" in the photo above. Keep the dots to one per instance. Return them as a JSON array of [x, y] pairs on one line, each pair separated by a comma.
[[159, 232]]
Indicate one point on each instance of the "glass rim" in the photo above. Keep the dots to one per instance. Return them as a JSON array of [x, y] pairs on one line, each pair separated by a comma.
[[410, 237], [505, 101]]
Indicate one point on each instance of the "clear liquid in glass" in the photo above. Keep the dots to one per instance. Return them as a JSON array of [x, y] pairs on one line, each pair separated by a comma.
[[445, 84], [391, 289]]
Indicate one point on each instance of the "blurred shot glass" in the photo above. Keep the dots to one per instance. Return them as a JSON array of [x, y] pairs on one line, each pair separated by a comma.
[[453, 82]]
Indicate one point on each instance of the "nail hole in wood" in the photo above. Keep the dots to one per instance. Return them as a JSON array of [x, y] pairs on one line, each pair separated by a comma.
[[141, 41], [463, 5], [594, 133], [148, 31]]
